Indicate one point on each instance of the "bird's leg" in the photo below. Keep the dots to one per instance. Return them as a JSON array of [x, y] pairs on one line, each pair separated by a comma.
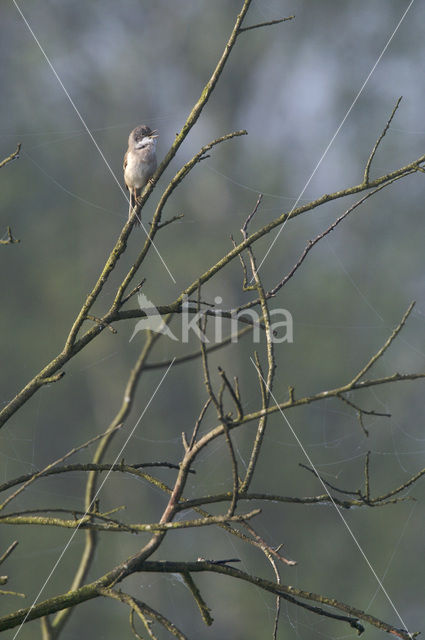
[[129, 203], [135, 203], [132, 202]]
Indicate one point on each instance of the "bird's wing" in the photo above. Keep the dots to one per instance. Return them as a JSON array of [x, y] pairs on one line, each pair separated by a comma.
[[124, 166]]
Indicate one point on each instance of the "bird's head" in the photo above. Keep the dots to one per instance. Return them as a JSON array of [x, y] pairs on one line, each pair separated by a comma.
[[142, 137]]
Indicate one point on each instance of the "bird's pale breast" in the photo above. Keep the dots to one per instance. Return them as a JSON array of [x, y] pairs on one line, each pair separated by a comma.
[[137, 173]]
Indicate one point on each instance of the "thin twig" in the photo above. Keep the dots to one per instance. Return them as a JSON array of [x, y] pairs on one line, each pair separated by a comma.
[[265, 24], [367, 412], [361, 412], [145, 621], [232, 392], [13, 156], [378, 142], [8, 551], [402, 487], [384, 347], [266, 547], [133, 291], [202, 606], [207, 378], [328, 484], [367, 477], [244, 229], [198, 423], [170, 221], [10, 238], [50, 379], [235, 491]]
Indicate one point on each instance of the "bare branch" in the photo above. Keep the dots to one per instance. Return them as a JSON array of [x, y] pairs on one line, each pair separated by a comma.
[[74, 346]]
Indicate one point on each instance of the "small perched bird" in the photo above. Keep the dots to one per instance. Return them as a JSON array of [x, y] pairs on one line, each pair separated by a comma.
[[139, 161]]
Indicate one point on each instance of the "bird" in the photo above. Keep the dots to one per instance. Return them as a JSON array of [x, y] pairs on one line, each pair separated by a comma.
[[139, 161]]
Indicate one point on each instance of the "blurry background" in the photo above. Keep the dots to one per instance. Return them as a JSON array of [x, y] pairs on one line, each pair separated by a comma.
[[130, 62]]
